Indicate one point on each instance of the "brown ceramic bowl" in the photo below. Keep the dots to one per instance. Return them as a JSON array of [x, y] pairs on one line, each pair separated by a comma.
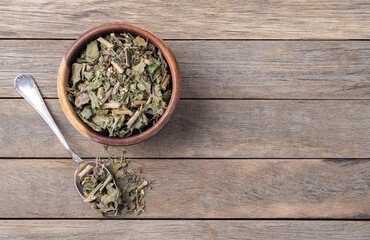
[[70, 57]]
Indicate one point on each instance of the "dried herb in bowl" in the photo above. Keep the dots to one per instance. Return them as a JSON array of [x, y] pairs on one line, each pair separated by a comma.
[[120, 85]]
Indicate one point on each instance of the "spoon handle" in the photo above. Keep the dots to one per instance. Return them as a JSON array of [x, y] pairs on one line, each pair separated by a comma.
[[26, 86]]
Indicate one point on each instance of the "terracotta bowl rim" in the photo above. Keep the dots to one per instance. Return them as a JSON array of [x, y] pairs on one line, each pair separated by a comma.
[[70, 56]]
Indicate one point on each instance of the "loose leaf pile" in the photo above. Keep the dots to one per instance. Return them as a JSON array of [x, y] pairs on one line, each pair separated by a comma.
[[100, 190], [120, 85]]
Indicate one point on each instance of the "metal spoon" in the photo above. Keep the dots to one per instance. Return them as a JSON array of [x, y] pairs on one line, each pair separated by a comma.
[[26, 86]]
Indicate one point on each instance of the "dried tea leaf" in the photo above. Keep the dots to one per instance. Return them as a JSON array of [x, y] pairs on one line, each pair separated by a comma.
[[167, 96], [151, 68], [100, 93], [138, 41], [150, 109], [118, 165], [120, 174], [95, 84], [124, 211], [89, 75], [92, 51], [112, 196], [101, 120], [139, 68], [106, 86], [92, 125], [82, 100], [86, 113], [141, 122], [76, 73], [94, 100]]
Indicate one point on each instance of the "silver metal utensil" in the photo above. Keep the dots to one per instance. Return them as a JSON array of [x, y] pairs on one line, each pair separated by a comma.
[[26, 86]]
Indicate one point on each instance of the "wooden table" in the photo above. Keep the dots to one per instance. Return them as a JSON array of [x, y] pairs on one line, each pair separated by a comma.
[[271, 138]]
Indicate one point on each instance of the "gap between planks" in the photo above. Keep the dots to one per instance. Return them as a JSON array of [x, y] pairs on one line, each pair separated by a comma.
[[192, 219], [193, 158], [236, 99], [210, 39]]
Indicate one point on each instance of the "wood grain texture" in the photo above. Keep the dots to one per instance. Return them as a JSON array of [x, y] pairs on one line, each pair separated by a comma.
[[272, 19], [209, 128], [224, 69], [196, 188], [274, 230]]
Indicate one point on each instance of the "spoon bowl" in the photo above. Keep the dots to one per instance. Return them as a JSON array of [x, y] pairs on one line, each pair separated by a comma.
[[27, 87], [80, 167]]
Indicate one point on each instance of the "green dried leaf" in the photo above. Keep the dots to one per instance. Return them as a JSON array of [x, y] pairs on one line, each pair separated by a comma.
[[140, 42], [86, 113], [132, 186], [111, 197], [117, 166], [94, 100], [124, 211], [101, 121], [89, 75], [92, 51], [95, 84], [76, 73], [151, 68], [150, 109], [139, 68], [82, 100], [141, 122], [106, 86], [167, 96], [71, 98], [120, 174], [91, 125]]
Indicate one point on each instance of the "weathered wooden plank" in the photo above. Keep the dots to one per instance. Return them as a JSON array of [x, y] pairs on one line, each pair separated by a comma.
[[150, 229], [191, 19], [199, 188], [224, 69], [209, 128]]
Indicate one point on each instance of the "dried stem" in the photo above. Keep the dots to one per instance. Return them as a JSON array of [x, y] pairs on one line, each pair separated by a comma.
[[165, 82], [121, 112], [138, 103], [136, 115], [107, 95], [111, 104], [85, 171], [92, 196], [117, 66], [109, 178], [133, 119], [126, 56], [105, 42]]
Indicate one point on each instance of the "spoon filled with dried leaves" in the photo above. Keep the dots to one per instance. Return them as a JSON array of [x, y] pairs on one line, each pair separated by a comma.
[[106, 186], [131, 187]]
